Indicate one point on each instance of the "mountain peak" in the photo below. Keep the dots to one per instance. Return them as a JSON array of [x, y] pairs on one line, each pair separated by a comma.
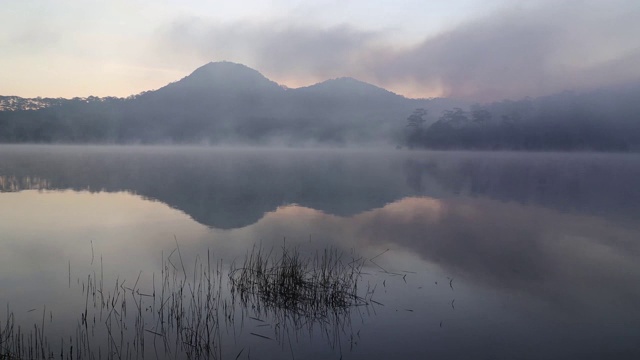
[[347, 80], [215, 67], [226, 74], [351, 86]]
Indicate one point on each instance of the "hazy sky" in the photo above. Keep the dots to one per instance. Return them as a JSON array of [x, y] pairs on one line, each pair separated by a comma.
[[478, 49]]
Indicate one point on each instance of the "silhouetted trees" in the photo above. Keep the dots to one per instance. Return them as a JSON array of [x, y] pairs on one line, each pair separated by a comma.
[[600, 121], [416, 127]]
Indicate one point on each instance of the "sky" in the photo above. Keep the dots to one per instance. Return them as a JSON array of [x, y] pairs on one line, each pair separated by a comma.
[[480, 50]]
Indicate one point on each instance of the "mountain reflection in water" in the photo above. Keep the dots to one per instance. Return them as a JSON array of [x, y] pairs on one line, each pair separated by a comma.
[[485, 255]]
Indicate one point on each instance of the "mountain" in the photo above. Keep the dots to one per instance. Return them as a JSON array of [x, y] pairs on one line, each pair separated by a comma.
[[224, 102], [347, 86], [219, 76]]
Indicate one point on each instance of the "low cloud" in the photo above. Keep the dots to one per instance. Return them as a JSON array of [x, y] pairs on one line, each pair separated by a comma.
[[519, 52], [516, 52]]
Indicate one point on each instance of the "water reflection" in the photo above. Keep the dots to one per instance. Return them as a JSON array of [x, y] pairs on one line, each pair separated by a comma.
[[599, 184], [539, 251], [542, 252], [222, 188], [13, 184], [489, 256], [231, 188]]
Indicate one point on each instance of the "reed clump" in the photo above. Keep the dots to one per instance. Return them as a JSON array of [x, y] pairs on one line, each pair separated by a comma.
[[313, 286], [181, 314], [179, 319]]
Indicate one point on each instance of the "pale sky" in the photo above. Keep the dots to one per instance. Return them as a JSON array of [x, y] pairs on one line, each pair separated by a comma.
[[476, 49]]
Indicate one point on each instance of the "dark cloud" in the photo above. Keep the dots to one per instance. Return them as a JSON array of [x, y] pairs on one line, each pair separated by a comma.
[[540, 49]]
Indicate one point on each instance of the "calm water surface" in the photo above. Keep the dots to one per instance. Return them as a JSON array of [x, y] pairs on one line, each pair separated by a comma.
[[466, 255]]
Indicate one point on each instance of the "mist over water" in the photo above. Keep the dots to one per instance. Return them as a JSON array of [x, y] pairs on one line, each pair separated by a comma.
[[504, 255]]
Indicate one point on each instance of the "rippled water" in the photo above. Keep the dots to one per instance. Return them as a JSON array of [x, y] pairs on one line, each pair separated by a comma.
[[466, 255]]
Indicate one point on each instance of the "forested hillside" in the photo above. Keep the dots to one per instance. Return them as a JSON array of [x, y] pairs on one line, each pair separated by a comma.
[[603, 120]]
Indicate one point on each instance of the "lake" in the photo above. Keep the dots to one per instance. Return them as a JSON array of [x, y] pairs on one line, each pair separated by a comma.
[[127, 252]]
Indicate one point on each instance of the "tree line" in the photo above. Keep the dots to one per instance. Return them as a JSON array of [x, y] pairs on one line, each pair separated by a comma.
[[598, 121]]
